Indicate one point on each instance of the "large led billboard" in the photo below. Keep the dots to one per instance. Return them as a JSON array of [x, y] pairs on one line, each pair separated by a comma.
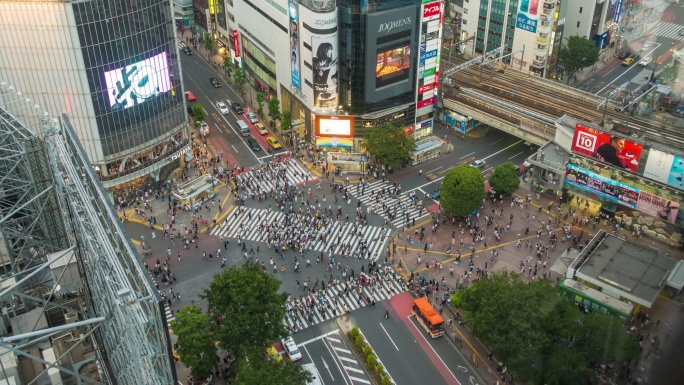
[[665, 168], [131, 85], [391, 48], [392, 66], [613, 150], [293, 12], [325, 70], [339, 126], [528, 15]]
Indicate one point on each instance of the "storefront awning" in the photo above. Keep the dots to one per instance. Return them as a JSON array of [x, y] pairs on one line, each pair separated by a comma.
[[427, 145]]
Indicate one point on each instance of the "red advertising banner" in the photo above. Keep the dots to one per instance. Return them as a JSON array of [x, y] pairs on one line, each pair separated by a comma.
[[424, 103], [612, 150], [236, 45], [425, 88], [431, 9]]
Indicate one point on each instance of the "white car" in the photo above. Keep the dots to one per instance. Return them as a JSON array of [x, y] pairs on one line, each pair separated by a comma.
[[645, 61], [252, 117], [291, 349], [477, 163], [222, 108]]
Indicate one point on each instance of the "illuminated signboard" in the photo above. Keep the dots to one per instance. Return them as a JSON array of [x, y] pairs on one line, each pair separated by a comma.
[[131, 85], [612, 150], [337, 126]]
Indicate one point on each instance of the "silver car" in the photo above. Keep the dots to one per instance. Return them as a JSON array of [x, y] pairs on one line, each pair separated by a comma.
[[252, 117], [478, 163]]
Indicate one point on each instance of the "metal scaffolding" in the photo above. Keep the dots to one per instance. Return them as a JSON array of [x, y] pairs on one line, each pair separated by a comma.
[[77, 304]]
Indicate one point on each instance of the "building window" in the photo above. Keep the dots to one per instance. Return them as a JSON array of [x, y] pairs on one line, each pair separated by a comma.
[[230, 16], [465, 11], [578, 24], [580, 10]]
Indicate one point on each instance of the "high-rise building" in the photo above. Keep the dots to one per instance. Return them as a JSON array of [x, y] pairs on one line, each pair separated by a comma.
[[110, 65], [339, 66]]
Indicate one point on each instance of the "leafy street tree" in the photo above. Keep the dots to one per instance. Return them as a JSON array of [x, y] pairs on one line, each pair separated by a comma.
[[198, 114], [208, 44], [577, 53], [228, 67], [273, 111], [240, 80], [390, 145], [196, 347], [462, 190], [531, 326], [286, 120], [259, 372], [250, 309], [505, 180], [260, 101]]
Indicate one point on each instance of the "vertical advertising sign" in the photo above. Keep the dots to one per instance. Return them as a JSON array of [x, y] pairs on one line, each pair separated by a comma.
[[528, 15], [293, 12], [428, 57], [324, 60], [236, 44]]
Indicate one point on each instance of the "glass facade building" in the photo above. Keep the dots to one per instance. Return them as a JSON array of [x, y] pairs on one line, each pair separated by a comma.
[[113, 67]]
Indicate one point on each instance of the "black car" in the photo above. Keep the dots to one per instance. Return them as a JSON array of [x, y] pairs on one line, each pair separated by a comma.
[[191, 112], [237, 108], [253, 144], [187, 51], [214, 82], [624, 55]]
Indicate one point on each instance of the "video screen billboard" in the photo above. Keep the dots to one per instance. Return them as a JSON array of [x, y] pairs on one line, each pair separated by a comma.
[[659, 207], [605, 187], [665, 168], [612, 150], [325, 70], [528, 15], [392, 65], [293, 13], [131, 85], [340, 126]]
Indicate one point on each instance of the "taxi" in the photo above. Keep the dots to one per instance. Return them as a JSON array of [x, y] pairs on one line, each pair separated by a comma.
[[273, 142], [628, 61]]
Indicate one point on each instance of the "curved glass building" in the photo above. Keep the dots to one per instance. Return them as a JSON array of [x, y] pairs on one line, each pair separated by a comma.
[[112, 66]]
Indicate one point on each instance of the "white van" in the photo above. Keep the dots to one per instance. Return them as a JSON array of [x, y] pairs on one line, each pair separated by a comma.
[[244, 128]]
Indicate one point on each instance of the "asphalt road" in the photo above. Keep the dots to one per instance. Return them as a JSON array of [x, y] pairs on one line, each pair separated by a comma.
[[661, 37]]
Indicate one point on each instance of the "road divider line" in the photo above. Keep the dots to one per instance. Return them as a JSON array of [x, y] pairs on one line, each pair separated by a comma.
[[388, 336], [492, 143], [515, 155], [502, 150], [435, 169], [465, 156], [317, 338], [433, 350]]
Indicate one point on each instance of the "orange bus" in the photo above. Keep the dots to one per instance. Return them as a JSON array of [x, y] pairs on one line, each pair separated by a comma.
[[428, 317]]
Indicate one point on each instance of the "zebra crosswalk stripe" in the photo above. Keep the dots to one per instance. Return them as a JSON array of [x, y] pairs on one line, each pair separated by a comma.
[[350, 301], [668, 30], [181, 44], [245, 225], [167, 310], [295, 172], [403, 203]]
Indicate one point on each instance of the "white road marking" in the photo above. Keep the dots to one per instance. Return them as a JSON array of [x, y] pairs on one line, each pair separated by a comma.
[[317, 338], [465, 156], [348, 360], [435, 169], [325, 365], [390, 338], [359, 380], [341, 349], [496, 141], [236, 151], [500, 151], [433, 349], [379, 360], [515, 155]]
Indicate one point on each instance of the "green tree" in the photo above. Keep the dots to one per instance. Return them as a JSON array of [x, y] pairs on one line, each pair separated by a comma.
[[251, 309], [613, 342], [196, 347], [390, 145], [505, 180], [564, 367], [286, 120], [273, 111], [259, 372], [208, 44], [228, 67], [260, 101], [576, 53], [240, 81], [198, 114], [462, 190]]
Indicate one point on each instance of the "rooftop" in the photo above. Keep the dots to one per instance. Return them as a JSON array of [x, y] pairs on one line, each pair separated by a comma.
[[631, 270]]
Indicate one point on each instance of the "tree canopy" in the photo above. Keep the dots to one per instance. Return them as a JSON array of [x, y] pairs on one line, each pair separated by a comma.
[[462, 190], [196, 347], [538, 333], [505, 180], [273, 110], [259, 372], [198, 114], [249, 307], [578, 52], [228, 67], [390, 144], [260, 103], [240, 80], [208, 43]]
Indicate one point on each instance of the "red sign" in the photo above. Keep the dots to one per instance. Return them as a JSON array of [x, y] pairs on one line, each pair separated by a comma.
[[613, 150], [431, 9], [236, 46], [425, 103], [425, 88]]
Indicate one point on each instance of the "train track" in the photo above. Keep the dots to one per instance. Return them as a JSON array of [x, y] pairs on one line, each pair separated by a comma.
[[545, 99]]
